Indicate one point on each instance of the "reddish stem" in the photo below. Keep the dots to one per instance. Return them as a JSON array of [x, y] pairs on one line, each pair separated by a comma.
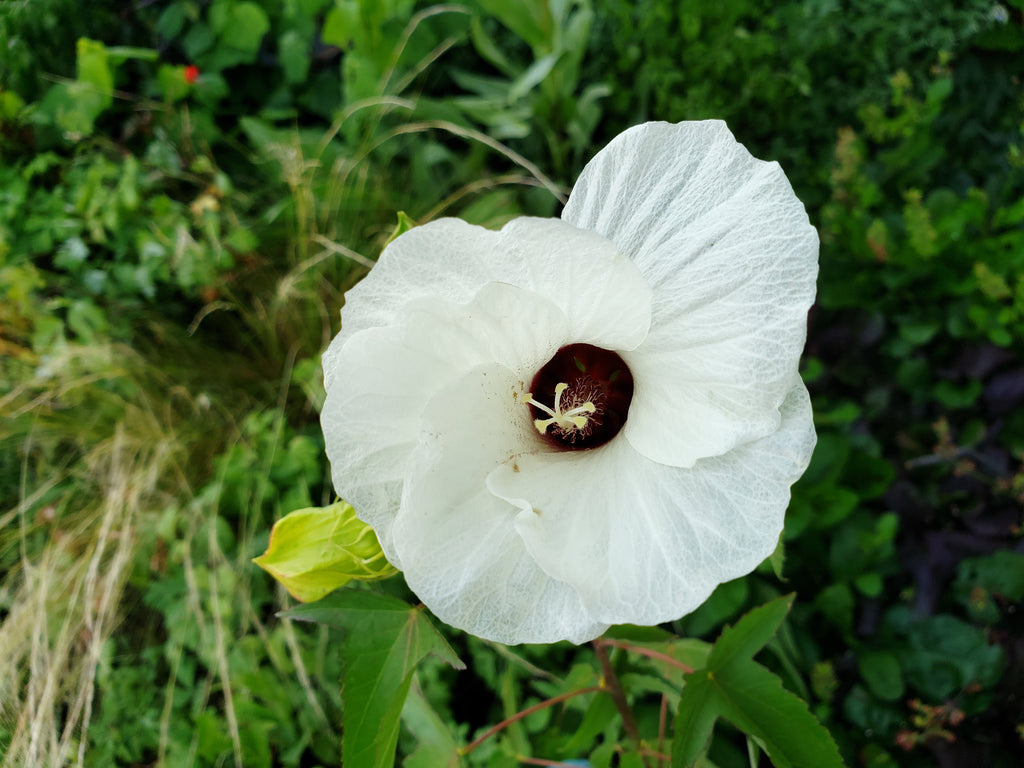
[[660, 756], [662, 720], [526, 713], [611, 681], [649, 653]]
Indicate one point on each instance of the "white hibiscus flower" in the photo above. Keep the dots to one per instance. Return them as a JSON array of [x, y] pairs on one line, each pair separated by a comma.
[[585, 421]]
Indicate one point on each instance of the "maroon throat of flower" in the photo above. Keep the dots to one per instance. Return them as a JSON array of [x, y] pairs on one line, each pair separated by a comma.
[[580, 398]]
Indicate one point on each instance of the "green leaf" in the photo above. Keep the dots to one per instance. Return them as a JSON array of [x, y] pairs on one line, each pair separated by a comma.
[[435, 746], [487, 48], [94, 68], [836, 603], [74, 106], [121, 53], [171, 21], [173, 84], [314, 551], [10, 105], [360, 75], [778, 560], [404, 224], [725, 602], [944, 654], [342, 25], [384, 641], [881, 671], [294, 52], [531, 21], [750, 634], [980, 579], [599, 715], [240, 25], [698, 710], [753, 699], [531, 77], [869, 584]]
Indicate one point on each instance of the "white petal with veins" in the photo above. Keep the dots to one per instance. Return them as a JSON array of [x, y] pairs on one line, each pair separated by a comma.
[[458, 542], [643, 542], [732, 260], [386, 376], [601, 292]]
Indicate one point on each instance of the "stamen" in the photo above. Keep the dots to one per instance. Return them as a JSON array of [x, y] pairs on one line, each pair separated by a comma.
[[591, 389], [573, 418]]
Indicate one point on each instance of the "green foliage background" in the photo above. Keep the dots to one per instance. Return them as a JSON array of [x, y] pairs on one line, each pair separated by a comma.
[[174, 248]]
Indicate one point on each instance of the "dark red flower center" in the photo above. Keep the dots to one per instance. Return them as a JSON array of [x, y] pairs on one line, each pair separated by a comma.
[[580, 397]]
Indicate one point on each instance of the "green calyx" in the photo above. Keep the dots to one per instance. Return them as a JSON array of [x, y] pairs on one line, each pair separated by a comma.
[[314, 551]]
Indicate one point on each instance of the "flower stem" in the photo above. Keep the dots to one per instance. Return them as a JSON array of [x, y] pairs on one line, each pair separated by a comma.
[[526, 713], [649, 653], [542, 761], [659, 756], [611, 682], [662, 720]]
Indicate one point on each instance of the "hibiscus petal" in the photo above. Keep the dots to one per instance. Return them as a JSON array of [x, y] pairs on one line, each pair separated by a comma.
[[457, 542], [603, 294], [643, 542], [732, 259], [446, 259], [381, 379], [605, 298]]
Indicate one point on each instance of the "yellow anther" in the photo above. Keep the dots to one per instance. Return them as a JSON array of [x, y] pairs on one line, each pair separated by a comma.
[[574, 418]]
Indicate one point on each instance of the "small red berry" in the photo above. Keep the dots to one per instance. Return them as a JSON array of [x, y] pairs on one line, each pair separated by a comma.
[[191, 73]]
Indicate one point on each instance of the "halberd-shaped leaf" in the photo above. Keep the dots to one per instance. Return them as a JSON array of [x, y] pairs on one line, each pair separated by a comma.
[[384, 641], [753, 699], [314, 551], [750, 634]]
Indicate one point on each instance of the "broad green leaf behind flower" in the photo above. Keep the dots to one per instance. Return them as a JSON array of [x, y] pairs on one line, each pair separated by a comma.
[[384, 640]]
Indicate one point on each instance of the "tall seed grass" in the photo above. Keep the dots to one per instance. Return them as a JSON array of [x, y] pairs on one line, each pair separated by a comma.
[[109, 443], [110, 437], [103, 443]]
